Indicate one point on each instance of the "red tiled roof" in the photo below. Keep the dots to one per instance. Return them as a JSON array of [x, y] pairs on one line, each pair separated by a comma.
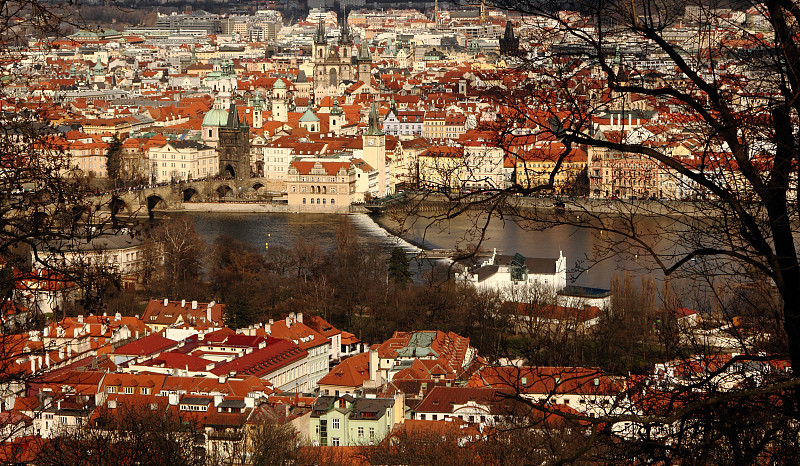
[[352, 372], [260, 362], [146, 345]]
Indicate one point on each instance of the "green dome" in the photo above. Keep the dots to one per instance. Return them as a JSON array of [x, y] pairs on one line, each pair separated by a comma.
[[279, 84], [215, 117]]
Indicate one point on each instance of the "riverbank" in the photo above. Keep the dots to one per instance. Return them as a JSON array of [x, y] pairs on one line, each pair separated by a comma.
[[436, 203], [262, 207]]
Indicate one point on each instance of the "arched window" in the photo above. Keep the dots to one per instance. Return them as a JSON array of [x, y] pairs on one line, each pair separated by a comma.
[[304, 200], [323, 201], [333, 201], [312, 200]]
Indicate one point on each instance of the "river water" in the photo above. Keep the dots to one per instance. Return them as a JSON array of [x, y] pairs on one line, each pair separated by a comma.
[[285, 229]]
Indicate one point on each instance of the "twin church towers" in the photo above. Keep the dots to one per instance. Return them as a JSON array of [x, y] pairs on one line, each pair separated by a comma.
[[340, 63]]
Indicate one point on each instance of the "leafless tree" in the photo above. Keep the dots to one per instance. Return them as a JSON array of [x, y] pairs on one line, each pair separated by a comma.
[[738, 105]]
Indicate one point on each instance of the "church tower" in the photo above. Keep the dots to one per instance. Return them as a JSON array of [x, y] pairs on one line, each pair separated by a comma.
[[345, 41], [234, 146], [364, 62], [320, 43], [258, 111], [280, 111], [335, 118], [374, 141]]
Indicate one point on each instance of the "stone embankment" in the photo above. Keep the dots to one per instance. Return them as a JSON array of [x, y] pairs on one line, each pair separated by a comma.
[[436, 203]]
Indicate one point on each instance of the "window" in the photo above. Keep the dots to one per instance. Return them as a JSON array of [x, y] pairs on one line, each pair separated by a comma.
[[111, 389], [333, 201], [312, 200], [334, 441], [304, 200], [360, 432], [63, 420], [128, 390], [334, 424], [422, 417], [333, 191], [371, 432]]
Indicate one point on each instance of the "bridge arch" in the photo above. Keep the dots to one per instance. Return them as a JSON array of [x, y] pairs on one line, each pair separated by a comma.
[[154, 201], [117, 205], [188, 194], [225, 191], [257, 186]]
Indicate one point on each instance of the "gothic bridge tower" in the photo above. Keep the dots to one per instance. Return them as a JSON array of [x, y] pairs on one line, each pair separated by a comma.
[[234, 147]]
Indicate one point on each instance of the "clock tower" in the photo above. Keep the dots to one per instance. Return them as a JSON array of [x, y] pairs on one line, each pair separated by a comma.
[[374, 141]]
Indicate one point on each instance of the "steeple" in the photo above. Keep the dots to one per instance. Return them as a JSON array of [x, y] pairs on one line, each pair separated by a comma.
[[374, 129], [319, 35], [336, 109], [345, 38]]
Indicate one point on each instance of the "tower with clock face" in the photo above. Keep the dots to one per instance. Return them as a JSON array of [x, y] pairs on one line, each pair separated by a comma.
[[375, 150]]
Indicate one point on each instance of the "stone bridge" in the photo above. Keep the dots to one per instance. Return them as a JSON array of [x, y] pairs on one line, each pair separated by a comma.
[[173, 196]]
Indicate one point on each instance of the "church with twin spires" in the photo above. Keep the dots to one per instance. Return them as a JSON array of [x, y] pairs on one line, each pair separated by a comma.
[[334, 64]]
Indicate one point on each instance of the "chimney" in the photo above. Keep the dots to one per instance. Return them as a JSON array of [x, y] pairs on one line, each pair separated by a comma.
[[194, 305], [117, 316], [268, 328], [166, 302], [208, 314], [80, 319], [288, 322], [183, 303], [300, 317], [217, 400], [46, 332]]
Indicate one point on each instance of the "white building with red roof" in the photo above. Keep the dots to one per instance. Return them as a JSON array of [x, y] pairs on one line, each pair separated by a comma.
[[321, 186]]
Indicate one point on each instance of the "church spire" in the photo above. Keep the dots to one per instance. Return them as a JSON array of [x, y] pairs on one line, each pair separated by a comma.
[[344, 37], [319, 35]]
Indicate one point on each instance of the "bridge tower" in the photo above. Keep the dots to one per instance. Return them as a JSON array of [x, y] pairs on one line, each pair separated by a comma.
[[234, 147]]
